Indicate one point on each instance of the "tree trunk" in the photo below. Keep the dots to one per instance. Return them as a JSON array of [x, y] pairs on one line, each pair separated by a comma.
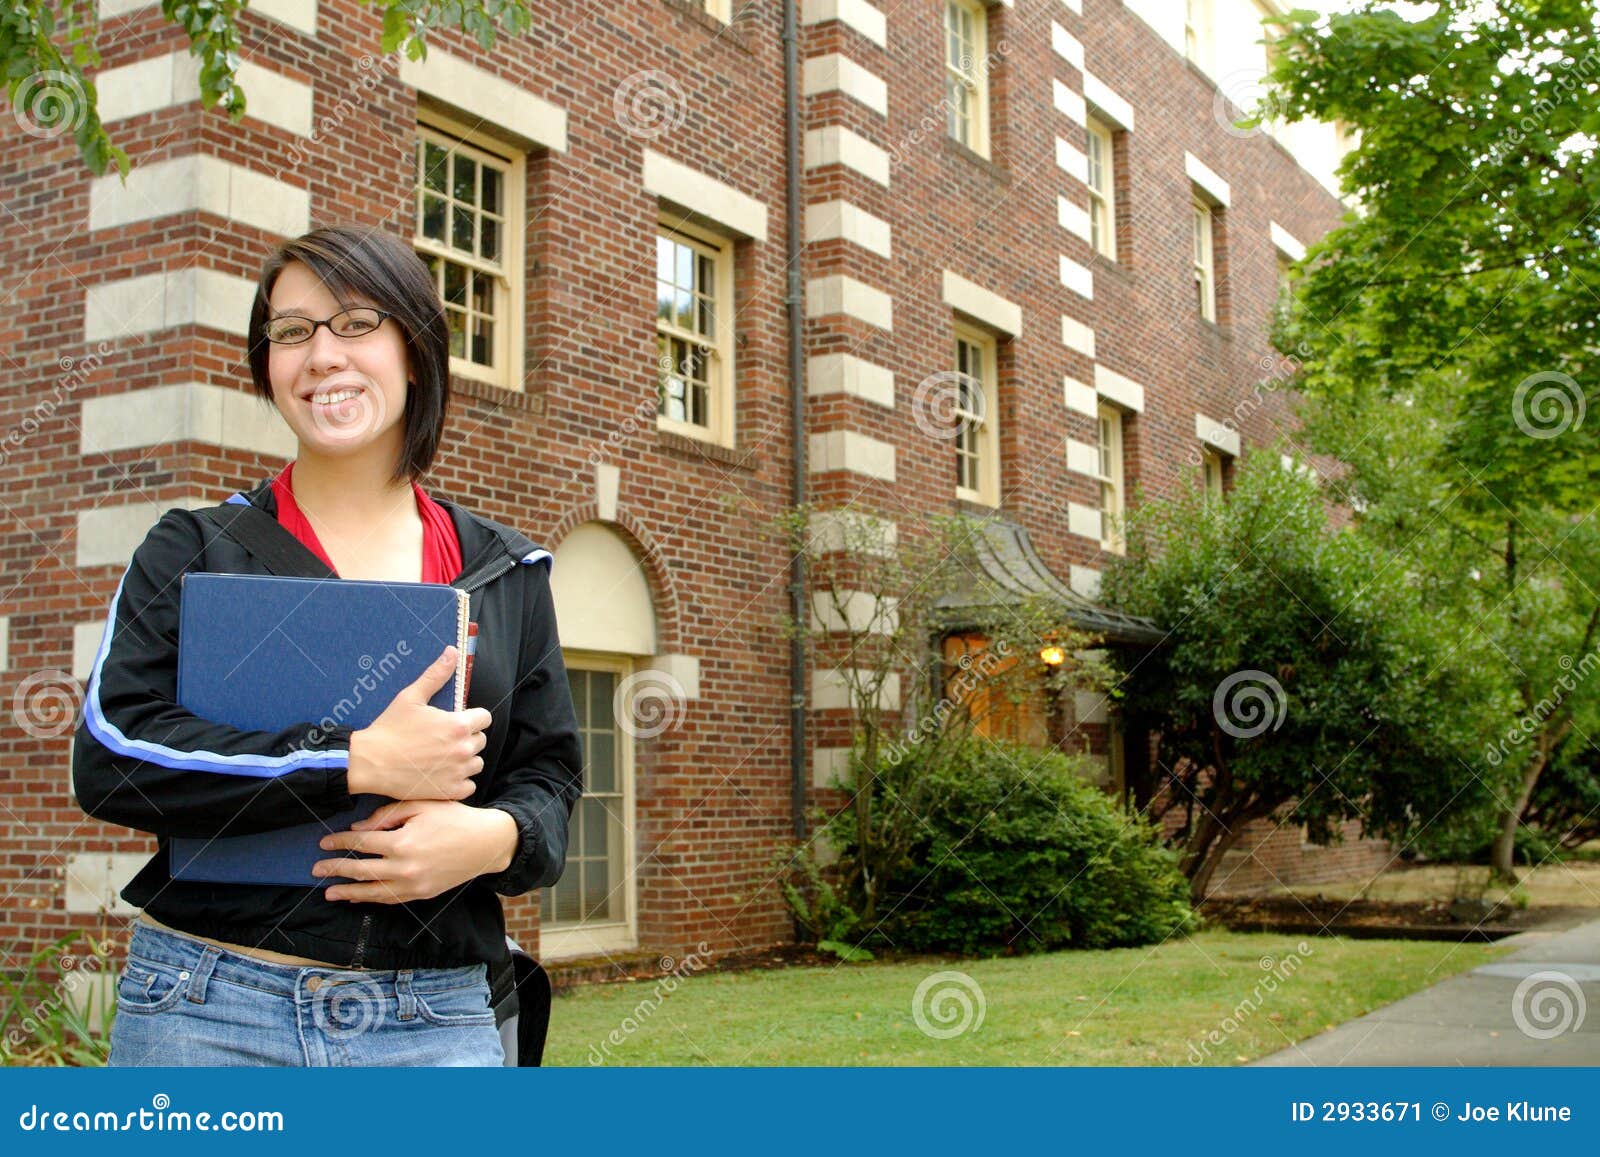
[[1502, 856]]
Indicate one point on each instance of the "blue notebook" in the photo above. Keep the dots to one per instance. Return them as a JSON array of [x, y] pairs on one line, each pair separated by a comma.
[[264, 652]]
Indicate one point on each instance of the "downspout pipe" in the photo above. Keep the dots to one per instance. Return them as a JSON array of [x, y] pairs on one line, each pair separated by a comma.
[[795, 305]]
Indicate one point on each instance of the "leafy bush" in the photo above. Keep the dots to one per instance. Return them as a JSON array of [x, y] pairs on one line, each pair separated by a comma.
[[41, 1020], [1017, 852]]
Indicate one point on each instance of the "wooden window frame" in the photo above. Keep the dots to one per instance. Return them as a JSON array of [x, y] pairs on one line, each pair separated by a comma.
[[510, 305], [721, 430], [987, 447], [1102, 192], [976, 81], [1203, 256], [1111, 462]]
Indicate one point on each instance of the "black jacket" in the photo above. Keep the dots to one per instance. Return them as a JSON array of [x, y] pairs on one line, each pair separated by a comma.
[[141, 760]]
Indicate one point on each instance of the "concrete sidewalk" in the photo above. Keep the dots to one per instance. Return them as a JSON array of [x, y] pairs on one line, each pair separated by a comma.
[[1538, 1006]]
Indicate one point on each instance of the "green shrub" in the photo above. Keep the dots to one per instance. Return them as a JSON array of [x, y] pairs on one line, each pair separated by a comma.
[[1017, 852]]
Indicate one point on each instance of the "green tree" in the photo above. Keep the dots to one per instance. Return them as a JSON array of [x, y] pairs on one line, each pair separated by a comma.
[[1446, 332], [1300, 679], [48, 45]]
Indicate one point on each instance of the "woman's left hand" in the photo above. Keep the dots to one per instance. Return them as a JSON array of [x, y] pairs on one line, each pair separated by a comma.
[[423, 847]]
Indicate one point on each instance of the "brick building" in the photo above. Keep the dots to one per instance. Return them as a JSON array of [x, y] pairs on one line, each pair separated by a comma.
[[1048, 195]]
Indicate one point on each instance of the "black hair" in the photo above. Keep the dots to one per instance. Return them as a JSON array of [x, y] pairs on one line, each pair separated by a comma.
[[377, 266]]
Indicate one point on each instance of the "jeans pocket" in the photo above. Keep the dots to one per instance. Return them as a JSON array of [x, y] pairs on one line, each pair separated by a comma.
[[150, 985], [468, 1005]]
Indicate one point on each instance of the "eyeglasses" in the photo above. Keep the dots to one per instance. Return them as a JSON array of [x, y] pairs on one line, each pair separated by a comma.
[[292, 330]]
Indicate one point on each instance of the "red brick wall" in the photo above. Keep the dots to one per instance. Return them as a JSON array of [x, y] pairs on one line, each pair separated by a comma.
[[712, 792]]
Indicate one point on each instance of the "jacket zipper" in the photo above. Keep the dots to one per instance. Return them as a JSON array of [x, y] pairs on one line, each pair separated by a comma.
[[361, 941]]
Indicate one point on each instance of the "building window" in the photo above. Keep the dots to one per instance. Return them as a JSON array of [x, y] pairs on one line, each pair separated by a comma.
[[1197, 30], [1205, 285], [966, 73], [1102, 190], [468, 229], [976, 444], [1111, 475], [721, 9], [591, 908], [694, 348], [1215, 467]]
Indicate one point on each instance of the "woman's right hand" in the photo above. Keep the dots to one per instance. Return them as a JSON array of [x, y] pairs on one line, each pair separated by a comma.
[[416, 751]]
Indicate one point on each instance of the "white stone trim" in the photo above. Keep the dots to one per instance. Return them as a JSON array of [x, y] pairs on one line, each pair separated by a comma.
[[1067, 46], [683, 670], [1107, 103], [1072, 161], [199, 183], [831, 220], [301, 14], [1216, 435], [94, 881], [1077, 336], [486, 98], [1114, 387], [857, 14], [1089, 706], [840, 293], [1202, 175], [983, 304], [183, 412], [1083, 580], [707, 196], [86, 639], [831, 531], [1080, 398], [607, 485], [835, 72], [852, 452], [108, 535], [830, 767], [830, 691], [847, 374], [1073, 218], [1287, 244], [1083, 521], [1083, 458], [1070, 104], [160, 82], [1077, 277], [863, 613], [155, 301], [837, 145]]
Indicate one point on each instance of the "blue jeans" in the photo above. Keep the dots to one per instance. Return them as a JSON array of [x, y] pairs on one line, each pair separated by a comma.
[[181, 1002]]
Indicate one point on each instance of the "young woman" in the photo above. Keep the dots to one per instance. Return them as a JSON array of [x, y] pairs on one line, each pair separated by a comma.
[[348, 340]]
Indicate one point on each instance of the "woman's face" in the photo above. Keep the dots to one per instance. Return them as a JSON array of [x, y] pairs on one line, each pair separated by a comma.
[[340, 395]]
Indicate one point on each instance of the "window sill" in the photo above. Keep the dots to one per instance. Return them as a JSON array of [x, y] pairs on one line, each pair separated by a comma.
[[497, 395], [708, 451], [954, 148]]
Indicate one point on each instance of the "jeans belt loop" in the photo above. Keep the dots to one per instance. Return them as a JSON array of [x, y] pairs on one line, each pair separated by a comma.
[[202, 973], [402, 991]]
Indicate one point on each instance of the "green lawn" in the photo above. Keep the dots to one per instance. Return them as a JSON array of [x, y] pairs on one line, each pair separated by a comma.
[[1129, 1006]]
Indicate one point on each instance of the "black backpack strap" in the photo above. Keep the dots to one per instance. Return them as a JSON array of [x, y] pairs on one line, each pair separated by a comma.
[[280, 552]]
